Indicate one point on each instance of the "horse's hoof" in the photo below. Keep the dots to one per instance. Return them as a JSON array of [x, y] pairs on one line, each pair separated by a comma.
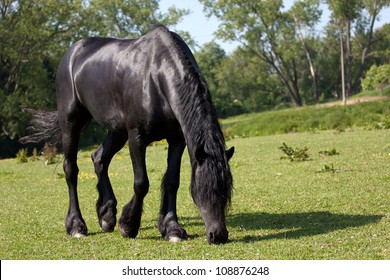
[[175, 239], [127, 234], [106, 227], [77, 234], [107, 215]]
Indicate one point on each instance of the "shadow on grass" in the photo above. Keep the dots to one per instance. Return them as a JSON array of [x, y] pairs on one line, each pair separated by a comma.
[[288, 225], [296, 225]]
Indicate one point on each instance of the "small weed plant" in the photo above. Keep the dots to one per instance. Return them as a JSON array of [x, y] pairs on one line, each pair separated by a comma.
[[296, 154], [49, 154], [328, 169], [34, 156], [328, 153]]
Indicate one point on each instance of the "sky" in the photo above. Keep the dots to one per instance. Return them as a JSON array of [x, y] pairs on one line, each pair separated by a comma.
[[202, 28]]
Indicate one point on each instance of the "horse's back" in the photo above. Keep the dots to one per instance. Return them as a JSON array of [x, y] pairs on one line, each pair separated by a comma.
[[116, 80]]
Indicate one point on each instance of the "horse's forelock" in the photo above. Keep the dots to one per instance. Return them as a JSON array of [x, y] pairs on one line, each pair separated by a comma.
[[212, 184]]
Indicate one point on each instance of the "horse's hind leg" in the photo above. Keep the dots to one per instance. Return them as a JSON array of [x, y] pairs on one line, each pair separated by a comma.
[[71, 128], [168, 221], [106, 204]]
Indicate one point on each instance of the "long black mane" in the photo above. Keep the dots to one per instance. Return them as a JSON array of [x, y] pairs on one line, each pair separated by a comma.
[[205, 139]]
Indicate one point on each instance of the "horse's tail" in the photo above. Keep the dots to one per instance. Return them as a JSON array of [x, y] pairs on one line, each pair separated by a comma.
[[45, 127]]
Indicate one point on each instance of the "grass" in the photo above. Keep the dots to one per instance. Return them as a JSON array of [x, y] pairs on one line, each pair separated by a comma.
[[280, 209], [372, 93], [370, 115]]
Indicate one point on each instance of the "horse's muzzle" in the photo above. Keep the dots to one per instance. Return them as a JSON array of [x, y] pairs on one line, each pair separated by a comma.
[[218, 236]]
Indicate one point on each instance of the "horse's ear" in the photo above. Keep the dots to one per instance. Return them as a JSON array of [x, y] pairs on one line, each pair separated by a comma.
[[200, 154], [229, 153]]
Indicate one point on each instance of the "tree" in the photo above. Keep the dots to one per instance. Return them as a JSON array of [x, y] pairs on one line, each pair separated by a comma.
[[306, 14], [247, 84], [130, 18], [267, 32], [365, 36], [327, 64], [35, 34], [209, 58], [380, 52], [28, 33], [359, 15]]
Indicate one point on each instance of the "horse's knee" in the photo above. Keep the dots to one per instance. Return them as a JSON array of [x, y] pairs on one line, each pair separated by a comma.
[[141, 188], [71, 169]]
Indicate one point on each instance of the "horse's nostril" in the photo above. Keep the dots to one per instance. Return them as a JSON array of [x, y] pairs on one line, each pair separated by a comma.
[[211, 238], [218, 237]]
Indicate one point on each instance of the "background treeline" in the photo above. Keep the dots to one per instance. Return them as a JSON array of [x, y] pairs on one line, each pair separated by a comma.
[[284, 58]]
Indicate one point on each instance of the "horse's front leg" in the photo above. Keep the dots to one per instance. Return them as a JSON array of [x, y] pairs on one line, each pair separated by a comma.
[[130, 220], [168, 221]]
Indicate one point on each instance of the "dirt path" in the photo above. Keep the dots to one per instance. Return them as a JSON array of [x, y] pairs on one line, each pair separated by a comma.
[[355, 101]]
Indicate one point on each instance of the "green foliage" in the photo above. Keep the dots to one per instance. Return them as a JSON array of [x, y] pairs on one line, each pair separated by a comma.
[[327, 153], [297, 154], [34, 35], [245, 84], [328, 168], [209, 59], [232, 94], [306, 62], [377, 77], [130, 18], [359, 17], [22, 156], [34, 156], [30, 32], [381, 48], [278, 45]]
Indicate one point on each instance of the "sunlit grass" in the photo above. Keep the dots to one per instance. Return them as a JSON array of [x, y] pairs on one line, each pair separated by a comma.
[[280, 209]]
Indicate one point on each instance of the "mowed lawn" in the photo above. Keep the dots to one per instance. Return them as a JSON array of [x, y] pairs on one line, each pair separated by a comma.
[[329, 207]]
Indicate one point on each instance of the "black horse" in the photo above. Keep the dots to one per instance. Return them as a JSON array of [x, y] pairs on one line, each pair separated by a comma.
[[141, 90]]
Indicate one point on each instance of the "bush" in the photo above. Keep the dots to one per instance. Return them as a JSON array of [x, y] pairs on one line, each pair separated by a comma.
[[377, 77], [21, 156]]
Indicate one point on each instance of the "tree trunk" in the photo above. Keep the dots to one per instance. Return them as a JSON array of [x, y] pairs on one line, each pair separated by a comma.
[[349, 59], [290, 83], [309, 60], [342, 66]]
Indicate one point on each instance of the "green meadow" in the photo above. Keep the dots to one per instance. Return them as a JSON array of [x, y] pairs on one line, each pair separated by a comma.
[[333, 205]]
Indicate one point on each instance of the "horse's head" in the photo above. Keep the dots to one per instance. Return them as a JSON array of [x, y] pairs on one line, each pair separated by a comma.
[[211, 190]]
